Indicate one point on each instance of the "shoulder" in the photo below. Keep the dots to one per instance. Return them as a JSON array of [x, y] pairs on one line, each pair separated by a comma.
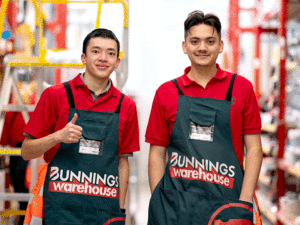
[[243, 84], [168, 88], [243, 80], [57, 92], [128, 102], [240, 81]]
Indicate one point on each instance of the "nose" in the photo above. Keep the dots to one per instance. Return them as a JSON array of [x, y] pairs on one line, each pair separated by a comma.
[[202, 46], [102, 56]]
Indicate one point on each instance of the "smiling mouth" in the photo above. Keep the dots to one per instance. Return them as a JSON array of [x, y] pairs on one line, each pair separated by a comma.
[[202, 55], [102, 67]]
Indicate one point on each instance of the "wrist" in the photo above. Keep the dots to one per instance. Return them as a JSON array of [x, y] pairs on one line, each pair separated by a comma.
[[246, 199], [57, 137]]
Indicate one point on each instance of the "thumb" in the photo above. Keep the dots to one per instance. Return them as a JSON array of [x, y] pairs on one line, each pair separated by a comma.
[[74, 118]]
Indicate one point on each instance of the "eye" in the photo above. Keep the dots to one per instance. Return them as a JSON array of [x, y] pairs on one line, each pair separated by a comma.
[[211, 42], [112, 53], [95, 51], [194, 42]]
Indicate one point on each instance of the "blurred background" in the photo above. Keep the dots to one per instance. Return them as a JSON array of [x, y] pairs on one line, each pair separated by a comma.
[[41, 45]]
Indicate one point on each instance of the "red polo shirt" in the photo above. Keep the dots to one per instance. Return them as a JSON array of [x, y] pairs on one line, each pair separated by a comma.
[[51, 114], [244, 115]]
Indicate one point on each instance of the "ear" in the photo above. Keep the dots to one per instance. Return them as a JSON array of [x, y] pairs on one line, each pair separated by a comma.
[[83, 58], [118, 63], [184, 47], [221, 46]]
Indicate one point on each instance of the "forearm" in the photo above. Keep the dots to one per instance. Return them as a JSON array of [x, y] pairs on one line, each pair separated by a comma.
[[123, 180], [156, 165], [34, 148], [252, 166]]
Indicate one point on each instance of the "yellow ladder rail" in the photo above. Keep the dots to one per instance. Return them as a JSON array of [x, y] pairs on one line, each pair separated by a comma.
[[9, 213]]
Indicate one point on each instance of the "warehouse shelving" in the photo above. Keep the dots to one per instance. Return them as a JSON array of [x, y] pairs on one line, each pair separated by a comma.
[[274, 145]]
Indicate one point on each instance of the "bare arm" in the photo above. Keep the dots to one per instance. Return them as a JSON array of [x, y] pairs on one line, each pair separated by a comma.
[[123, 178], [252, 168], [34, 148], [156, 165]]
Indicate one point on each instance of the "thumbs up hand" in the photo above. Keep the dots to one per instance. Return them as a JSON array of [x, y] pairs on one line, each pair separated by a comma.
[[73, 120], [70, 133]]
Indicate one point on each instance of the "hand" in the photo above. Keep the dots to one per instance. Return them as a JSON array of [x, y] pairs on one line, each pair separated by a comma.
[[71, 133]]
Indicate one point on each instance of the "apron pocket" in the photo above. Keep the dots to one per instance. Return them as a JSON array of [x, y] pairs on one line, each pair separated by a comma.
[[91, 141], [106, 218], [163, 207], [202, 124], [79, 216], [54, 216], [189, 208], [93, 130], [232, 211]]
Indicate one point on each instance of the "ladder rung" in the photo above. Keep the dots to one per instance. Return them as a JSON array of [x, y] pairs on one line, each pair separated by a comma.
[[10, 151]]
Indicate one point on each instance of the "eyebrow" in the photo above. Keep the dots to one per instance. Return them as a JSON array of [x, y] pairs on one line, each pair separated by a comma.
[[211, 37], [109, 49]]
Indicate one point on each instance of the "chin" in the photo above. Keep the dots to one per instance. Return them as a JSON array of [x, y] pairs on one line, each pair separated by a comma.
[[203, 64]]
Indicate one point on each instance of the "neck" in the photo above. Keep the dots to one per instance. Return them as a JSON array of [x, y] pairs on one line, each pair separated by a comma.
[[97, 85], [202, 74]]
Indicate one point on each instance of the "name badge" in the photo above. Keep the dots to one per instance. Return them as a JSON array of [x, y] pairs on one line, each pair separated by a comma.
[[200, 132], [91, 147]]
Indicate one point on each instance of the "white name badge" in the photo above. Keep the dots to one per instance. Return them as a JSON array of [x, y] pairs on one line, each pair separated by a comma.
[[200, 132], [91, 147]]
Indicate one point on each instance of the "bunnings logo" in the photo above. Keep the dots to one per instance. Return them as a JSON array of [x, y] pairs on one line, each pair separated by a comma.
[[68, 181], [204, 170]]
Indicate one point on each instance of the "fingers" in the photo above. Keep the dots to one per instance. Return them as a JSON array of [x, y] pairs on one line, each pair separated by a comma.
[[73, 138], [71, 133], [74, 134], [73, 120]]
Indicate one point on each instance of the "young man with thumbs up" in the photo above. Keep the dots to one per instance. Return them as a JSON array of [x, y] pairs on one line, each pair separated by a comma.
[[86, 129]]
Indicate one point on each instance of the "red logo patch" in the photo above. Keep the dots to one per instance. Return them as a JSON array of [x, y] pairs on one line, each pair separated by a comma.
[[231, 221]]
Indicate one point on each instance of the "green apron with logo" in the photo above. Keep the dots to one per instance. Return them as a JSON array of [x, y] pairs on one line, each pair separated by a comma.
[[203, 177], [82, 184]]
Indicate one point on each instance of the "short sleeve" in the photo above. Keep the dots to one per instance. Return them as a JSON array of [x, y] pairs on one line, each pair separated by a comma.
[[251, 113], [130, 136], [157, 132], [43, 119]]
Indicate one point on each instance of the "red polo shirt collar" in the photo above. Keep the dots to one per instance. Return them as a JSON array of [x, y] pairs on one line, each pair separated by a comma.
[[186, 81], [77, 82]]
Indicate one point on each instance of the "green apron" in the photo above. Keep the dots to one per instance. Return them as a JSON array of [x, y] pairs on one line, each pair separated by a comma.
[[203, 177], [82, 184]]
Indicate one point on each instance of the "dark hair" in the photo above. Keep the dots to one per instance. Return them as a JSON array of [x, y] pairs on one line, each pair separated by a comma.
[[198, 17], [101, 32]]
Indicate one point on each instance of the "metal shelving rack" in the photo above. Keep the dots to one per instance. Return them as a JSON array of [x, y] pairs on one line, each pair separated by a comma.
[[38, 60], [285, 10]]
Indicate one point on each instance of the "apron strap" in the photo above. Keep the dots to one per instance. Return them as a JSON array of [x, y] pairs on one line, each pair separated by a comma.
[[120, 102], [69, 94], [229, 91], [178, 88]]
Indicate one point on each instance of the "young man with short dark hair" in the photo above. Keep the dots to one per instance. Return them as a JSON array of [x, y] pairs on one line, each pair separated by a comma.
[[86, 129], [202, 120]]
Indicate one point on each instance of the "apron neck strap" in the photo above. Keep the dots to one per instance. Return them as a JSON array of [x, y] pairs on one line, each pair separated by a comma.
[[228, 94], [229, 91], [69, 94], [120, 102], [178, 88]]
